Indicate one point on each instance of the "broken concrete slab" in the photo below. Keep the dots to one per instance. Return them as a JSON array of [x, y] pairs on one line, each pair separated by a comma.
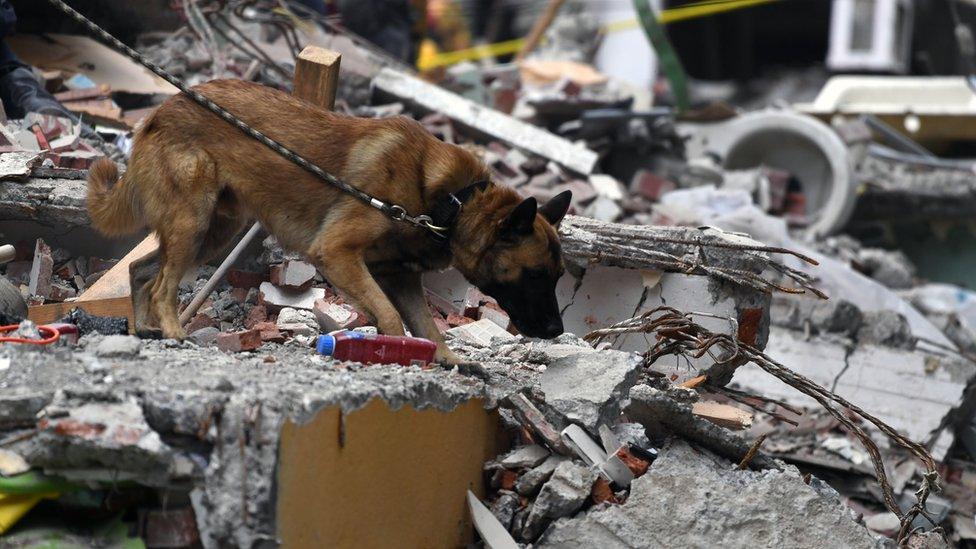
[[483, 120], [912, 391], [57, 202], [591, 388], [17, 165], [691, 498], [111, 436], [225, 413]]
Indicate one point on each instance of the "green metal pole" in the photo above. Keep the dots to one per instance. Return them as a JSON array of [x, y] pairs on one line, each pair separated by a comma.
[[670, 64]]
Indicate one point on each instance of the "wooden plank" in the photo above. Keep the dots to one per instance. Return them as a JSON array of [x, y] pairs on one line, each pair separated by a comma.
[[317, 76], [114, 306], [539, 28], [724, 415], [115, 283]]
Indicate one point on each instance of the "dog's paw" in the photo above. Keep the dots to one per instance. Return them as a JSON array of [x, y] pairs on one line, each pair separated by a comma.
[[467, 368], [149, 332]]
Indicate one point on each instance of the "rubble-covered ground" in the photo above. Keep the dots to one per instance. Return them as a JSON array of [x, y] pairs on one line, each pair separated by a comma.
[[671, 442]]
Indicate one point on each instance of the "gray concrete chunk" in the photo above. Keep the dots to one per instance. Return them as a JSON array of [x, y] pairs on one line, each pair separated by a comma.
[[692, 498], [562, 496], [530, 482], [118, 346], [588, 388]]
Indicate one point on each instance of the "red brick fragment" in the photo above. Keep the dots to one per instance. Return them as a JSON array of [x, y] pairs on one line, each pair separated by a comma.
[[269, 332], [454, 320], [650, 186], [441, 324], [508, 479], [257, 314], [234, 342], [245, 279], [636, 465], [74, 428], [201, 320], [601, 492]]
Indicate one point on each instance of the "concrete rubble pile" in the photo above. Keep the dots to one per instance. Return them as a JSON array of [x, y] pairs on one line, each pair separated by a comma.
[[242, 435]]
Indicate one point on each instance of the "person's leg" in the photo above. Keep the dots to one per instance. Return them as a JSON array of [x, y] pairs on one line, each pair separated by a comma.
[[8, 60]]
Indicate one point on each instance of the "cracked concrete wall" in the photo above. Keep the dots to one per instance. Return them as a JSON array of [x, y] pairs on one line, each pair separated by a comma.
[[606, 295]]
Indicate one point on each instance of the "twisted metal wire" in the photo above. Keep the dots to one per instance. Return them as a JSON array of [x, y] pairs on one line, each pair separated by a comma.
[[678, 335]]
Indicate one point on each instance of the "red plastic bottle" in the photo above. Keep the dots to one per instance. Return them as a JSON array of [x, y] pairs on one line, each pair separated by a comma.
[[376, 349]]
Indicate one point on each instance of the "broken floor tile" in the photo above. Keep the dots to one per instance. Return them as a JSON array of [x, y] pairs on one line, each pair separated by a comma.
[[293, 275], [276, 298], [587, 387], [332, 315], [524, 456], [480, 332]]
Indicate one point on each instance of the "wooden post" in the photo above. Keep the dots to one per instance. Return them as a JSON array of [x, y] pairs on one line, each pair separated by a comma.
[[317, 76]]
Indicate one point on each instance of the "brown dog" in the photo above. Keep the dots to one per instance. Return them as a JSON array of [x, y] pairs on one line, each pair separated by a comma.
[[197, 180]]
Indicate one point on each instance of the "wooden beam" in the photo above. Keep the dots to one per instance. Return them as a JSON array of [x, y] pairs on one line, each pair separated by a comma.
[[724, 415], [111, 306], [317, 76], [115, 282]]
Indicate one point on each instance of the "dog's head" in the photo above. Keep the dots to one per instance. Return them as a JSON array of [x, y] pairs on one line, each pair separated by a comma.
[[522, 264]]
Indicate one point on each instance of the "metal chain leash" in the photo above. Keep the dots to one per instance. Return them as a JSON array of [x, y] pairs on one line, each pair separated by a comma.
[[393, 211]]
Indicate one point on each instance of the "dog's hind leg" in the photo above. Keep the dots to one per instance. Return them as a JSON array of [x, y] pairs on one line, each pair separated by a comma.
[[142, 278], [182, 225], [339, 253], [406, 290]]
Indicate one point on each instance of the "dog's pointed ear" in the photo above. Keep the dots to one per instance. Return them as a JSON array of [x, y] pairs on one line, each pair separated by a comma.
[[556, 209], [519, 222]]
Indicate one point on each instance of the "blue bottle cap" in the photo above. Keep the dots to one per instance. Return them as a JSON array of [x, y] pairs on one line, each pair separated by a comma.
[[326, 344]]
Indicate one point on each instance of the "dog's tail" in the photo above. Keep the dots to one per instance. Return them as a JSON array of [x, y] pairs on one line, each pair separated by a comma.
[[111, 200]]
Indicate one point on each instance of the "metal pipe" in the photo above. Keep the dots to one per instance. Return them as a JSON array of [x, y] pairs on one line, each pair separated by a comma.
[[194, 305]]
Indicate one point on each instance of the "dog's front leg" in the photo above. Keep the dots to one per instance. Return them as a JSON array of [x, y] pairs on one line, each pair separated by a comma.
[[340, 256], [406, 290]]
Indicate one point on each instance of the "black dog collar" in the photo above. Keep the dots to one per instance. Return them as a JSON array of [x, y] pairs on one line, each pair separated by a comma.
[[444, 212]]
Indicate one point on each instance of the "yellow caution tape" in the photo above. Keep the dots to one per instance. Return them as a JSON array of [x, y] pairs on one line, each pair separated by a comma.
[[430, 60]]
